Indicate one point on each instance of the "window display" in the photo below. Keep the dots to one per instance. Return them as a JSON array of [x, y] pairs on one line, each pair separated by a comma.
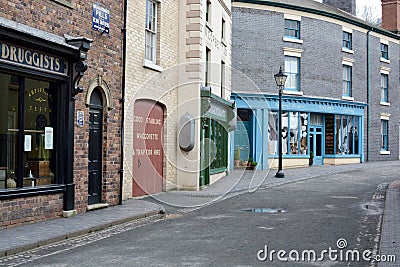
[[27, 140]]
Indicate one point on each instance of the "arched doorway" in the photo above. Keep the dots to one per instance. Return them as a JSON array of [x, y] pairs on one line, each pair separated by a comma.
[[95, 147], [147, 148]]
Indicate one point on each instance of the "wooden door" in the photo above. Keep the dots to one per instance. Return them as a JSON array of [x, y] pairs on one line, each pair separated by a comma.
[[147, 148], [95, 148]]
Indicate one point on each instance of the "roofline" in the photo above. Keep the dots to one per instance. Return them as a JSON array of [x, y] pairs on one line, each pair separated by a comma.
[[323, 13]]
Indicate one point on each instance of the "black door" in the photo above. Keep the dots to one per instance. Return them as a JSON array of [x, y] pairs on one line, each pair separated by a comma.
[[95, 147]]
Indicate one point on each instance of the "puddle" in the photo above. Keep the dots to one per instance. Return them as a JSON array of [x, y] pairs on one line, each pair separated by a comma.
[[265, 210]]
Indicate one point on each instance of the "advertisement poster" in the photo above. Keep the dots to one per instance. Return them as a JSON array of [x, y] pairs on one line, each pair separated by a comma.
[[48, 138]]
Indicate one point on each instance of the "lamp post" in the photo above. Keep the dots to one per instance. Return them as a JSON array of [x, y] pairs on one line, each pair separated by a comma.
[[280, 79]]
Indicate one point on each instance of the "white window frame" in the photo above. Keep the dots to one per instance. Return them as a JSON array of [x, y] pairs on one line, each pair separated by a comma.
[[151, 31]]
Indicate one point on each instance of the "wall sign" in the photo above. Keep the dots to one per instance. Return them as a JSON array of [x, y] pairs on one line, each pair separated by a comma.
[[101, 19], [21, 56], [80, 116]]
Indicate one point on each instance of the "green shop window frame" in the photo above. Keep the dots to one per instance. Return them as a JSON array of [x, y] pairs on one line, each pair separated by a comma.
[[215, 128]]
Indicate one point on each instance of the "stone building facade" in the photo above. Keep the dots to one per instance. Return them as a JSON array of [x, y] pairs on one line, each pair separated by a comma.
[[178, 58], [61, 81], [339, 102]]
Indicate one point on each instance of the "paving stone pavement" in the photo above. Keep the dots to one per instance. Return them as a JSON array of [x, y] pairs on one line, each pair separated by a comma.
[[18, 239]]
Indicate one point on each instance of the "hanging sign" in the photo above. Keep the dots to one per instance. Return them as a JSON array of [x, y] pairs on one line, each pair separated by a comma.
[[100, 19]]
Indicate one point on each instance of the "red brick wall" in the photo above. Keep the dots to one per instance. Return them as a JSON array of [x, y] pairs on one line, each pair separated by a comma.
[[105, 59], [20, 211], [391, 15]]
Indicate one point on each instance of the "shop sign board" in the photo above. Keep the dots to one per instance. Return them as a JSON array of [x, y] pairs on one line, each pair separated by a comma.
[[26, 57]]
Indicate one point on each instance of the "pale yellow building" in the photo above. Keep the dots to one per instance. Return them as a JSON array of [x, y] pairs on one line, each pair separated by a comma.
[[174, 50]]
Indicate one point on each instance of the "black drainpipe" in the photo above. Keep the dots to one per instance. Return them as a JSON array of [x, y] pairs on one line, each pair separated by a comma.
[[368, 93], [121, 170]]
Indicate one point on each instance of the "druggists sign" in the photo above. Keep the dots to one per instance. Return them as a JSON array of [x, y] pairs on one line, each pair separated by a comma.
[[32, 59]]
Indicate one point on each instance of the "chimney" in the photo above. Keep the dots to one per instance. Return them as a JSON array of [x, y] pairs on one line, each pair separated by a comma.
[[391, 15], [348, 6]]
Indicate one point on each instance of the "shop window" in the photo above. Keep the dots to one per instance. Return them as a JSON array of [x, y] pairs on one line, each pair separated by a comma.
[[292, 70], [219, 146], [384, 88], [347, 40], [384, 135], [347, 80], [28, 133], [294, 133], [346, 135], [292, 28]]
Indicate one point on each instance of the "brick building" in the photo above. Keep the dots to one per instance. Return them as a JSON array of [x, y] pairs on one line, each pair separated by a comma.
[[60, 86], [340, 98]]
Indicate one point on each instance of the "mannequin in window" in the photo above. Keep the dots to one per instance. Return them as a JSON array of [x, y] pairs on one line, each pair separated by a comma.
[[284, 140], [351, 140], [344, 146]]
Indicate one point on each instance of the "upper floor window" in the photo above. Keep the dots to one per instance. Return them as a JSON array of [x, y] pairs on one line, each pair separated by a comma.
[[292, 69], [384, 88], [384, 51], [223, 30], [292, 28], [207, 72], [384, 135], [347, 40], [151, 30], [347, 80], [208, 11]]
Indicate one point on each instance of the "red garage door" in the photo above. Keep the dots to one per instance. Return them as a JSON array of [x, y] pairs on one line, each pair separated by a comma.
[[147, 148]]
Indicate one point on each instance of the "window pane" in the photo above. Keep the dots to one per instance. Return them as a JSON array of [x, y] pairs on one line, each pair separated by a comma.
[[292, 28], [292, 70], [285, 132], [40, 125], [384, 87], [303, 133], [9, 89], [273, 133], [346, 80], [294, 133], [338, 134]]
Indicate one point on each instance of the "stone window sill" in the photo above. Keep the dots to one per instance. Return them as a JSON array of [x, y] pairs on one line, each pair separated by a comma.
[[150, 65]]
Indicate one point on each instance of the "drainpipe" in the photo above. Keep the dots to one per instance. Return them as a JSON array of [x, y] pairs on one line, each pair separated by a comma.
[[368, 93], [122, 101]]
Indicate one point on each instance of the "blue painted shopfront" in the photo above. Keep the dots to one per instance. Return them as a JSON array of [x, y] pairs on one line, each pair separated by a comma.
[[325, 128]]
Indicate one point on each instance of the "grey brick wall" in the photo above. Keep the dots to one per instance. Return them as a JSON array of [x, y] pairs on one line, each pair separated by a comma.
[[257, 52]]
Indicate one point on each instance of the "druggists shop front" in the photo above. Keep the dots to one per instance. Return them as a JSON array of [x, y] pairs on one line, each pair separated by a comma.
[[39, 76]]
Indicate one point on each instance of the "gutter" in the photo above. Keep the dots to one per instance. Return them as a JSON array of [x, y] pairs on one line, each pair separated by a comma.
[[122, 101]]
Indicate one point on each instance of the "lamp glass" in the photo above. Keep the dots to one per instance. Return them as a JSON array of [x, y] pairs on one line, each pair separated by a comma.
[[280, 78]]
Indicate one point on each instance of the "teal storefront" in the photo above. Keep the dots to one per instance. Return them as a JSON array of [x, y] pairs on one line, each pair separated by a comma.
[[327, 131]]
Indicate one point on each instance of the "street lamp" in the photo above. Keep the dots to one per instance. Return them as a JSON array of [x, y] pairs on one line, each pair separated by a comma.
[[280, 79]]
